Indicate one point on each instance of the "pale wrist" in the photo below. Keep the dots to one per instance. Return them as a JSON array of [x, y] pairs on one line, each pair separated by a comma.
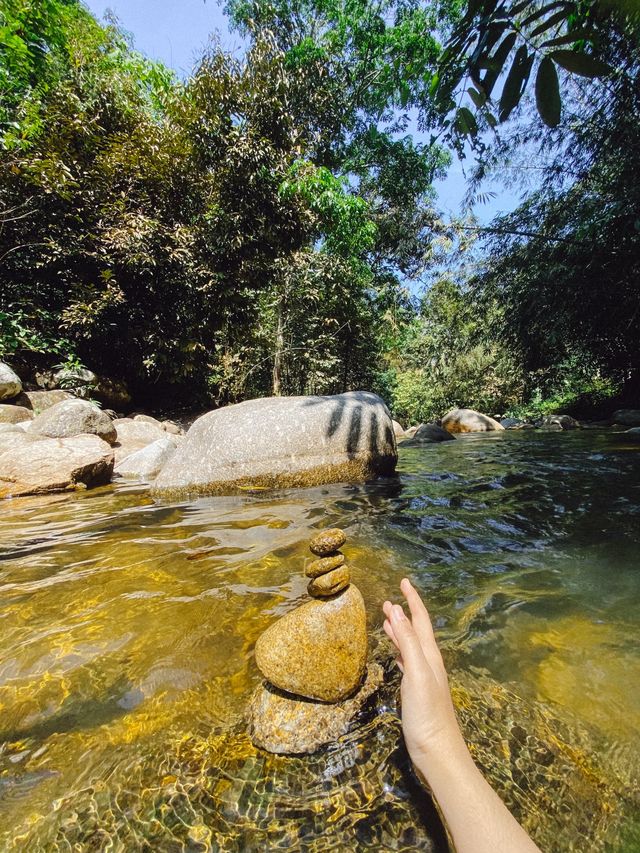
[[444, 755]]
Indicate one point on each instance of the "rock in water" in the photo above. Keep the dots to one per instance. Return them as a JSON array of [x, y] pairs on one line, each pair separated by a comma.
[[627, 417], [327, 542], [468, 420], [10, 384], [145, 464], [286, 724], [319, 650], [74, 417], [282, 442], [563, 421], [54, 465], [428, 434]]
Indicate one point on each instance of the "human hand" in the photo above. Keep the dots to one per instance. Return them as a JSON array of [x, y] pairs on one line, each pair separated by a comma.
[[428, 720]]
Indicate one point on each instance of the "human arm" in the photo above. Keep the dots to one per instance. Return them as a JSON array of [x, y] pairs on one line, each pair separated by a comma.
[[477, 819]]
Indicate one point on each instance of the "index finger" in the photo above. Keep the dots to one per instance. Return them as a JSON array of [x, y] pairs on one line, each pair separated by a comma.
[[422, 624]]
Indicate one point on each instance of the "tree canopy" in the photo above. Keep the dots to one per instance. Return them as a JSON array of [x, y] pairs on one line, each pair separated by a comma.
[[267, 224]]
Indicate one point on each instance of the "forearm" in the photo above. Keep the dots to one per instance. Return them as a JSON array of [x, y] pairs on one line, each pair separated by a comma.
[[477, 819]]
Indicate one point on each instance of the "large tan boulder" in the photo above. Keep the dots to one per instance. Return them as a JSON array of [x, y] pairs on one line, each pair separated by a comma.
[[74, 417], [14, 414], [38, 465], [10, 384], [318, 650], [281, 442], [468, 420]]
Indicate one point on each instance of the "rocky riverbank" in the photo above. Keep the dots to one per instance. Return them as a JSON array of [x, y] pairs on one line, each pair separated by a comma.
[[54, 440]]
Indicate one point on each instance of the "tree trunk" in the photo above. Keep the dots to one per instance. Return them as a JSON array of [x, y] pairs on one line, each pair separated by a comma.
[[277, 356]]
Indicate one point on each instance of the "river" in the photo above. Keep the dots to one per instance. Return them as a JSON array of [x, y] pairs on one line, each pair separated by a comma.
[[127, 629]]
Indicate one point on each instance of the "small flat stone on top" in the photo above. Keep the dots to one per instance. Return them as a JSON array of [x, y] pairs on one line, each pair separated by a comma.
[[327, 541], [324, 565], [330, 583]]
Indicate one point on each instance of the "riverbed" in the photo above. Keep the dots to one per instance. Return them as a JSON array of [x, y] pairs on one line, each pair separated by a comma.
[[127, 630]]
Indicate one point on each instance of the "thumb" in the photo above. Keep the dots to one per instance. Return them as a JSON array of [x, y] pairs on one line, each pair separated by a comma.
[[407, 639]]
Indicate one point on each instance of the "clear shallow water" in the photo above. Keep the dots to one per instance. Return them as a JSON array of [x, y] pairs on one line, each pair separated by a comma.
[[127, 629]]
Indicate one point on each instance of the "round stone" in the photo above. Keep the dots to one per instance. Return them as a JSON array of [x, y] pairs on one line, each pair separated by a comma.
[[318, 650], [324, 565], [330, 583], [327, 541]]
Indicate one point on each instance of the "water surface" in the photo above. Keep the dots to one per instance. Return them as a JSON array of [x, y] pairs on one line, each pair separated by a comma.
[[127, 630]]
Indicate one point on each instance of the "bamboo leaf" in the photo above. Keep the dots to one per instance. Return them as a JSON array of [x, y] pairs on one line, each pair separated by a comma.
[[495, 62], [514, 84], [548, 93], [466, 122], [570, 38], [552, 21], [540, 12], [580, 63], [478, 98]]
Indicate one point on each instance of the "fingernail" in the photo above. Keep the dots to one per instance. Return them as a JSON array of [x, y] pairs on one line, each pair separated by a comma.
[[398, 612]]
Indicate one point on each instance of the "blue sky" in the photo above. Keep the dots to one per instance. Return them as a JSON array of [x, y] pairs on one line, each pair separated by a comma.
[[175, 31]]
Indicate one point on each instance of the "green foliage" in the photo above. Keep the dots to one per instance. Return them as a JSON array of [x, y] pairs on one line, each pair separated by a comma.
[[447, 360], [512, 39]]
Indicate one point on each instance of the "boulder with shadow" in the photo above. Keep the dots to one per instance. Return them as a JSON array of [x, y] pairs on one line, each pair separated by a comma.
[[278, 442]]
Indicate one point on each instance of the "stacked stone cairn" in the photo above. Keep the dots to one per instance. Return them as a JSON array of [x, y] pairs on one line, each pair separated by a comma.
[[314, 660]]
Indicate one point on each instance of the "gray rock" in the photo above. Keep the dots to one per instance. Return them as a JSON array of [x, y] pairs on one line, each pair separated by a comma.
[[14, 414], [428, 434], [134, 435], [39, 465], [282, 442], [74, 417], [10, 384], [634, 432], [146, 464], [39, 401], [627, 417], [468, 420], [563, 421]]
